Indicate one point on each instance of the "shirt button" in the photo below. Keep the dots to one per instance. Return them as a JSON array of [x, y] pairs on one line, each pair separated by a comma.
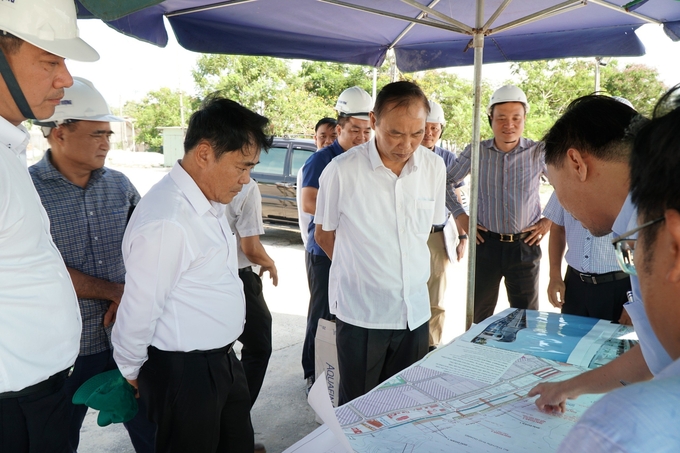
[[586, 257], [91, 213], [587, 239], [100, 261], [96, 238]]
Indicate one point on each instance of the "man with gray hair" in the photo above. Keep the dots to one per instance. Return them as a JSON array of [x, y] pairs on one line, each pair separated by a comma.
[[378, 242]]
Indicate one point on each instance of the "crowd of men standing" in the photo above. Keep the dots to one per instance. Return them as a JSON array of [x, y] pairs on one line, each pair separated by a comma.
[[157, 290]]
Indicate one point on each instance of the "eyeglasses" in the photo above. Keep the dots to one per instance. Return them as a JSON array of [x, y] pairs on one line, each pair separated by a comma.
[[625, 247]]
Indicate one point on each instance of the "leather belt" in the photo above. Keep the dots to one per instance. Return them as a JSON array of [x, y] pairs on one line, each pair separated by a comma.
[[436, 228], [598, 279], [246, 269], [223, 350], [513, 237]]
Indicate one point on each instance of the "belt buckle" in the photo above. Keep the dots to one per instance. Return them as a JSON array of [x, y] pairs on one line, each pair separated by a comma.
[[588, 277], [506, 237]]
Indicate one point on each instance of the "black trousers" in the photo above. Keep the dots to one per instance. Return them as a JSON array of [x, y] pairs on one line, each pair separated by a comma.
[[257, 333], [38, 422], [142, 432], [198, 400], [318, 268], [367, 357], [518, 262], [604, 300]]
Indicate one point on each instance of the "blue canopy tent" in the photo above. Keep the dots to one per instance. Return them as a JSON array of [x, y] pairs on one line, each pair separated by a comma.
[[424, 34]]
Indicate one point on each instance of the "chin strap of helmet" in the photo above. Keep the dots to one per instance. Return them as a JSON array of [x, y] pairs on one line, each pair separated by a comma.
[[14, 88]]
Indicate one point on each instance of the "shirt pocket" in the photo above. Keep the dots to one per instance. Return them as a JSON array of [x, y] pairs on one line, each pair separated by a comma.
[[423, 215]]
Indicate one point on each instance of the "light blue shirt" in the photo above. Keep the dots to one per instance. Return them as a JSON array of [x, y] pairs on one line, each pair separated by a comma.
[[640, 418], [585, 253], [655, 355]]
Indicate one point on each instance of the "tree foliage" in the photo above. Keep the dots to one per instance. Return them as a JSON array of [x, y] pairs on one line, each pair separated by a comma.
[[160, 108], [294, 97], [550, 85], [455, 95]]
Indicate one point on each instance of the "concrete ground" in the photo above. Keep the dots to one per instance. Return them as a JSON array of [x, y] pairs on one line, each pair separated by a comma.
[[281, 415]]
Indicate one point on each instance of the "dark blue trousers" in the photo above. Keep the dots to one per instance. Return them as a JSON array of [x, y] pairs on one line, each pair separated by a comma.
[[257, 333]]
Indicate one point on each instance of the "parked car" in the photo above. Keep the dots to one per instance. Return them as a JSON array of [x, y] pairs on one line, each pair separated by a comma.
[[276, 176]]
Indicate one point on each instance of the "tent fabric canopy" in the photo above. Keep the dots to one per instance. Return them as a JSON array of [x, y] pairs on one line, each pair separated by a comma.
[[334, 30]]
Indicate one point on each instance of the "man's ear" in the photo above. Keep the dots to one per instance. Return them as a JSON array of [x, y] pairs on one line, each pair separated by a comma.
[[372, 119], [577, 164], [673, 228], [203, 154], [57, 133]]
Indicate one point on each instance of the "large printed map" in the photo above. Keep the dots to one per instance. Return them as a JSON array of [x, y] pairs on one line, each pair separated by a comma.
[[470, 397]]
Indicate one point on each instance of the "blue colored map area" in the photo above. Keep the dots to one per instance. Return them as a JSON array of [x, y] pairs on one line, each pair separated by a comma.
[[548, 335]]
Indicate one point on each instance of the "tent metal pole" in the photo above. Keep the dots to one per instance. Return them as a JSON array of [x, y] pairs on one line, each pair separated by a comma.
[[564, 7], [478, 44]]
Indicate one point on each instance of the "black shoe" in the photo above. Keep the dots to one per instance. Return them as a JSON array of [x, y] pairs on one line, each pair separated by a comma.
[[431, 348], [310, 383]]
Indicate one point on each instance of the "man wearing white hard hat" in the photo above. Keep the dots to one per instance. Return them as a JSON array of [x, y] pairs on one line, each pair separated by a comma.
[[89, 206], [353, 129], [442, 240], [40, 323], [509, 222]]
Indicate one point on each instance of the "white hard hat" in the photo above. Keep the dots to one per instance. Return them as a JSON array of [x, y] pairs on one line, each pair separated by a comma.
[[47, 24], [355, 102], [82, 102], [436, 114], [508, 93]]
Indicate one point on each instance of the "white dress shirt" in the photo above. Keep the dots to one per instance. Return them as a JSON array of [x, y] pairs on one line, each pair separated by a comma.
[[244, 214], [381, 262], [39, 315], [182, 290]]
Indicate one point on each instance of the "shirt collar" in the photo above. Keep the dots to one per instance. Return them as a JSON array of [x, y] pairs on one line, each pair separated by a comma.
[[411, 164], [522, 145], [335, 148], [46, 170], [14, 137], [193, 193]]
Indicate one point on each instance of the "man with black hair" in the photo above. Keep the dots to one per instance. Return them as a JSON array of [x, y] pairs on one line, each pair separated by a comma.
[[353, 129], [183, 305], [509, 223], [325, 132], [376, 206], [40, 324], [587, 152], [643, 417]]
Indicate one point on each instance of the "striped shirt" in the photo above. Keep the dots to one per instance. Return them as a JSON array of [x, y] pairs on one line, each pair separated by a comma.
[[586, 253], [508, 185], [87, 226]]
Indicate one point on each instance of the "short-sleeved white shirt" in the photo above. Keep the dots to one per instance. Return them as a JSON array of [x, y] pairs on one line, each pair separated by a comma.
[[40, 319], [244, 214], [381, 262]]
